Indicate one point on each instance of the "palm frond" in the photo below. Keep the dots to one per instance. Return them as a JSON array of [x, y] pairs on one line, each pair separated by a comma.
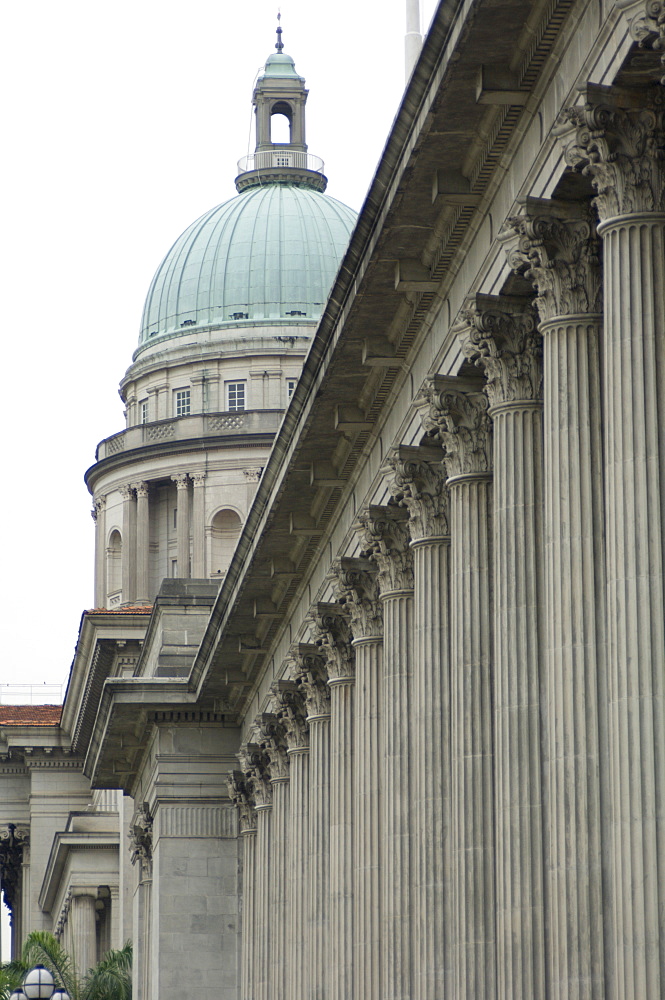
[[43, 948], [111, 979]]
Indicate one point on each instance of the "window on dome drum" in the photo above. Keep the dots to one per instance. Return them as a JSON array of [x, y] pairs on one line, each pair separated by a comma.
[[235, 395], [290, 387], [182, 403], [144, 412]]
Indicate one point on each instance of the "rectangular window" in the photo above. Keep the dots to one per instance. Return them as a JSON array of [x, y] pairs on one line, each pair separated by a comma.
[[144, 412], [182, 403], [174, 568], [235, 395], [290, 387]]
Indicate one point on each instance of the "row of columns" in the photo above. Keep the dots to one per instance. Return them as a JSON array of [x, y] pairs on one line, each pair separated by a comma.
[[135, 557], [494, 745]]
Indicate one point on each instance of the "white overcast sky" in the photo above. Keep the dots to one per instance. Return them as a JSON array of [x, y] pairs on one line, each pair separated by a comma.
[[122, 123]]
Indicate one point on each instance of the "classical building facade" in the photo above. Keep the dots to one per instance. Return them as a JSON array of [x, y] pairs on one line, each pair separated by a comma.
[[413, 748]]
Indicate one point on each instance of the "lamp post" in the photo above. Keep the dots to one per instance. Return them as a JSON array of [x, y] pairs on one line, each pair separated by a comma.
[[39, 984]]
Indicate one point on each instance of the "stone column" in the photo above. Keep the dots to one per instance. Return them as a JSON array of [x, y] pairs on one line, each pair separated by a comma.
[[140, 846], [84, 938], [554, 244], [128, 544], [332, 636], [385, 539], [313, 678], [273, 741], [458, 412], [143, 594], [418, 484], [198, 525], [99, 517], [291, 712], [254, 763], [241, 795], [498, 334], [358, 593], [619, 141], [182, 486]]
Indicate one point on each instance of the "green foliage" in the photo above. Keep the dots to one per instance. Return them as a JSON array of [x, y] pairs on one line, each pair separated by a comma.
[[111, 979]]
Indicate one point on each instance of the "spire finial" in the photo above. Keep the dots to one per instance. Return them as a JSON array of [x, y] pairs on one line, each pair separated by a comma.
[[279, 44]]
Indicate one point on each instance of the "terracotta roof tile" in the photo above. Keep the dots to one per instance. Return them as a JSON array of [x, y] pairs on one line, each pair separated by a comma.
[[30, 715], [139, 609]]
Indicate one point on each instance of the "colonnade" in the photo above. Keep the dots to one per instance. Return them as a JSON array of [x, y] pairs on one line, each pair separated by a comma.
[[470, 751]]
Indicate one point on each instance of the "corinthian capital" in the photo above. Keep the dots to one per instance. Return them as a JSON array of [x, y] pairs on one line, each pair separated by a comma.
[[617, 138], [331, 633], [555, 246], [291, 713], [241, 796], [456, 408], [358, 592], [254, 764], [385, 538], [419, 485], [646, 23], [312, 676], [272, 734], [498, 334]]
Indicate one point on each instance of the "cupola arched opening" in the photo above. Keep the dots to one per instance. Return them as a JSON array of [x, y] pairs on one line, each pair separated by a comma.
[[226, 527], [281, 123]]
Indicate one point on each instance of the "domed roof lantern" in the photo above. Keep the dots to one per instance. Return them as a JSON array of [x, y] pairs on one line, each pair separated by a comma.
[[280, 91]]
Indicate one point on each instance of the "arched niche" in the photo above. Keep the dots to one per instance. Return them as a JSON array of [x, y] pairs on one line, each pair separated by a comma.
[[114, 562], [225, 530]]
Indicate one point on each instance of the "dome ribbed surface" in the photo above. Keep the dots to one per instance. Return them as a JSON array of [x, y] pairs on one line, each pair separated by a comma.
[[270, 254]]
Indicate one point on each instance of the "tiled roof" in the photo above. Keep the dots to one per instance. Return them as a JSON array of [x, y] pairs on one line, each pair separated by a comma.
[[30, 715], [139, 609]]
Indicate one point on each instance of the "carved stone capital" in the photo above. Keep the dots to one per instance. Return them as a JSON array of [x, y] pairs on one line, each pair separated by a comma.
[[127, 492], [292, 713], [142, 490], [646, 24], [555, 246], [498, 334], [99, 503], [331, 633], [14, 841], [457, 409], [273, 740], [385, 539], [358, 592], [252, 475], [254, 764], [140, 840], [617, 138], [311, 674], [181, 480], [241, 796], [198, 479], [419, 485]]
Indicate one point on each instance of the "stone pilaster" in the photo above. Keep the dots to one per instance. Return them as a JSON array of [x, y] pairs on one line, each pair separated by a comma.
[[82, 916], [198, 525], [143, 594], [498, 334], [182, 486], [254, 763], [99, 517], [312, 675], [140, 849], [456, 412], [358, 593], [385, 540], [555, 246], [418, 484], [128, 566], [273, 740], [618, 140], [241, 796], [332, 636], [292, 712]]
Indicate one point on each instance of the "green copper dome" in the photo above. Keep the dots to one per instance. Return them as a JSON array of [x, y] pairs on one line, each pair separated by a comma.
[[268, 256]]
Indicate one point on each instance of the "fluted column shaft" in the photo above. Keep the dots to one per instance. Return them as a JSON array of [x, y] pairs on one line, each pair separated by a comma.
[[340, 958], [319, 854], [99, 517], [367, 905], [396, 812], [128, 565], [142, 542], [517, 692], [430, 721], [634, 394], [198, 526], [249, 928], [298, 874], [263, 925], [278, 887], [573, 611], [84, 940], [182, 544], [472, 737]]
